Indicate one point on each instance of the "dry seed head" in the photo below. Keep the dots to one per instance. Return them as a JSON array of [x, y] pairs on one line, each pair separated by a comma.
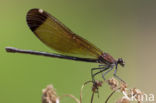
[[49, 95], [123, 86], [137, 91], [123, 100], [113, 83], [138, 94], [96, 85]]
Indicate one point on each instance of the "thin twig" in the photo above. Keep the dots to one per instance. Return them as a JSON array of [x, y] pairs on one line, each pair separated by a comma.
[[82, 89], [92, 97], [111, 95], [71, 96]]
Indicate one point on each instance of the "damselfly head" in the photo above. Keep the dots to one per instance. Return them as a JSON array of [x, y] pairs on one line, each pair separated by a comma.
[[121, 62]]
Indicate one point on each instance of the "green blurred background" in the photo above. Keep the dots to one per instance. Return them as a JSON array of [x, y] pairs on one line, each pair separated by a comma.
[[123, 28]]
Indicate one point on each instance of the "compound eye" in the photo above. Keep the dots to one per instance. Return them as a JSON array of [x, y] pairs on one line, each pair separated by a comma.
[[121, 62]]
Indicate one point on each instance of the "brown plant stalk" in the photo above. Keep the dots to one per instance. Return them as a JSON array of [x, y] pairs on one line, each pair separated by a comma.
[[49, 94]]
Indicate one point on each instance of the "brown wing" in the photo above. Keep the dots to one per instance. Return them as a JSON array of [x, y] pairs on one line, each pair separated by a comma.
[[58, 37]]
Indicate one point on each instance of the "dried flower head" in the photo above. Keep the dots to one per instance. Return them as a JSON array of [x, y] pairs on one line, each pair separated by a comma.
[[123, 86], [113, 83], [138, 94], [96, 86], [49, 95], [123, 100]]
